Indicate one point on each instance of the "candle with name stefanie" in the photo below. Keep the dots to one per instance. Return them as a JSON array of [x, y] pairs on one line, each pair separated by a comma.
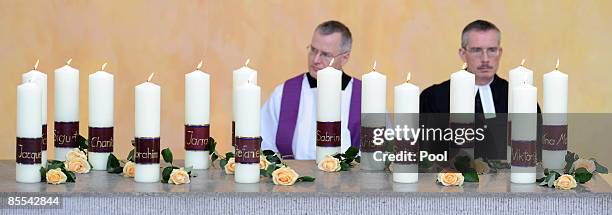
[[240, 76], [66, 126], [101, 120], [329, 97], [406, 108], [524, 132], [554, 146], [374, 108], [248, 139], [197, 117], [29, 133], [40, 79], [147, 134]]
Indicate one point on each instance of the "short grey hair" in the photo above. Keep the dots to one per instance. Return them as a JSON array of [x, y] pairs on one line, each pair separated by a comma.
[[333, 26], [478, 25]]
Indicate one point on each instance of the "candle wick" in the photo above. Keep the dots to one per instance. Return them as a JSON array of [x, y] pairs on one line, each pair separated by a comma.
[[69, 61], [199, 65], [150, 77], [374, 66], [557, 66], [331, 62], [246, 64], [408, 77], [464, 66], [36, 65], [103, 66], [523, 62]]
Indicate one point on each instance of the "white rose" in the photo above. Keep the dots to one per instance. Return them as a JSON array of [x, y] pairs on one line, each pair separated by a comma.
[[230, 167], [284, 176], [329, 164], [565, 182], [450, 178], [56, 176], [77, 165], [76, 153], [263, 162], [480, 166], [129, 170], [589, 165], [179, 176]]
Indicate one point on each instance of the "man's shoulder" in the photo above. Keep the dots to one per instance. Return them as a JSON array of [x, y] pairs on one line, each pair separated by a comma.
[[435, 89]]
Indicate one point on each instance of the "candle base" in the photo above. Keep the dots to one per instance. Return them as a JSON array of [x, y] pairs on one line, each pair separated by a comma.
[[43, 158], [405, 173], [27, 173], [60, 153], [522, 175], [146, 173], [246, 173], [369, 163], [322, 152], [98, 160], [197, 159], [553, 160]]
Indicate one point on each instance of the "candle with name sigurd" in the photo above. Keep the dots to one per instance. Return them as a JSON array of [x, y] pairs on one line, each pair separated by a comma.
[[554, 146], [147, 135], [329, 97], [240, 76], [197, 111], [516, 76], [29, 133], [406, 108], [248, 138], [101, 118], [374, 108], [524, 133], [66, 126], [40, 79]]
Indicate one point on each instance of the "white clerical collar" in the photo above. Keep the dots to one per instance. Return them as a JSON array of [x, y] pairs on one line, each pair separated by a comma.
[[486, 99]]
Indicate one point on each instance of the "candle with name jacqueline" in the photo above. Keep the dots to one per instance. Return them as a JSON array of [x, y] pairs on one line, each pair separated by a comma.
[[554, 146], [240, 76], [40, 79], [101, 120], [524, 133], [248, 138], [329, 96], [147, 132], [29, 133], [374, 108], [406, 108], [66, 126], [197, 117]]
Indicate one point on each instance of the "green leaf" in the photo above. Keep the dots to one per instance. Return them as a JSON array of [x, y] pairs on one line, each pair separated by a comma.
[[351, 152], [273, 159], [54, 164], [43, 174], [213, 157], [268, 152], [166, 174], [470, 176], [552, 176], [134, 142], [599, 168], [358, 159], [70, 176], [130, 156], [462, 164], [229, 155], [113, 165], [82, 143], [582, 175], [270, 169], [306, 178], [263, 172], [344, 166], [212, 144], [222, 163], [167, 155], [540, 180]]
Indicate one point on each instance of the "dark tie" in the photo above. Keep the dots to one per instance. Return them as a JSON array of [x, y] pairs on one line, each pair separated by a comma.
[[478, 103]]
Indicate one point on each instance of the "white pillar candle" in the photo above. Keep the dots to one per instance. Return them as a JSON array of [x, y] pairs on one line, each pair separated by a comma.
[[40, 79], [524, 132], [555, 139], [374, 107], [329, 93], [462, 94], [29, 133], [516, 76], [197, 111], [66, 110], [240, 76], [147, 118], [248, 142], [406, 108], [101, 118], [374, 92]]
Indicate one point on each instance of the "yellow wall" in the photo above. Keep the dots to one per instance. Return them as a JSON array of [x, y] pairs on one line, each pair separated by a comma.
[[170, 37]]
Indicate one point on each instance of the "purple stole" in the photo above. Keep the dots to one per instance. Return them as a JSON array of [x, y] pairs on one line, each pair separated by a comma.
[[290, 104]]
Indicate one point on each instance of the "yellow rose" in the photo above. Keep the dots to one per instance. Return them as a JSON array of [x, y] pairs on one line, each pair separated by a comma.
[[56, 176], [565, 182], [129, 170], [284, 176], [230, 167], [450, 178], [589, 165], [179, 176], [480, 166], [329, 164], [263, 162], [77, 165], [76, 153]]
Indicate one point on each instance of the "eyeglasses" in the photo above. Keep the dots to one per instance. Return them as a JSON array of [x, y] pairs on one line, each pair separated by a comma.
[[324, 56], [479, 52]]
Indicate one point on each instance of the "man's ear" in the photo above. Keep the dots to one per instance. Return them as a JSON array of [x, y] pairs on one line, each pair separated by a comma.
[[462, 53], [344, 59], [501, 50]]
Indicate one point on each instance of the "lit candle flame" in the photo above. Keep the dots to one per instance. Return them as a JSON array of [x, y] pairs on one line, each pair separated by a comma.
[[523, 62], [374, 66], [557, 66], [199, 65], [464, 66], [103, 66], [408, 77], [36, 65], [68, 62], [331, 62], [150, 77], [246, 64]]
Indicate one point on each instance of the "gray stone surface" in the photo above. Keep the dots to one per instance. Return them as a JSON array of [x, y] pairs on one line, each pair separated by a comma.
[[352, 192]]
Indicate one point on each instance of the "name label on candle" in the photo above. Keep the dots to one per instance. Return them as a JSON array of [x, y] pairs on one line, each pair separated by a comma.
[[328, 134], [523, 153], [44, 138], [406, 147], [247, 150], [367, 140], [100, 139], [66, 134], [147, 151], [234, 133], [509, 133], [28, 150], [466, 127], [196, 137], [555, 137]]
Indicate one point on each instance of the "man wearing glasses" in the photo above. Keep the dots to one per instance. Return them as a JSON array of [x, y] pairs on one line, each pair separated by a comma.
[[288, 118]]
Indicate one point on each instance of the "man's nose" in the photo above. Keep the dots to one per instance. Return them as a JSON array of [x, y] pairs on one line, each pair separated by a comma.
[[317, 58]]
